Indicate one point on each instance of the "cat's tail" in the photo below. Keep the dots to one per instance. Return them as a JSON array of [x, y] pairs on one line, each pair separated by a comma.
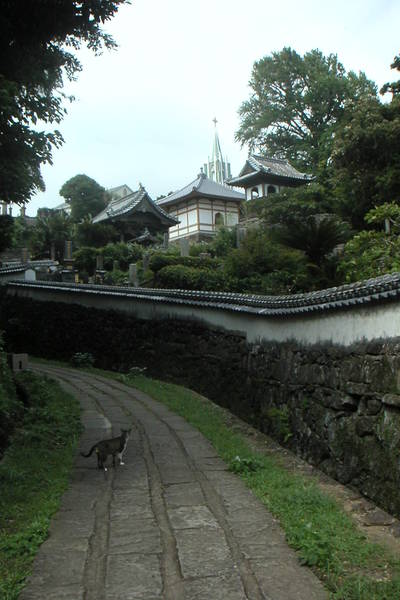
[[90, 451]]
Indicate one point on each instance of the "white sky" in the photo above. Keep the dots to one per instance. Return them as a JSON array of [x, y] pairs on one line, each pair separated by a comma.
[[143, 113]]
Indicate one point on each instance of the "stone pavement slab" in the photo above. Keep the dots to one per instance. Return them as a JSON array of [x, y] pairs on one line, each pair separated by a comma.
[[172, 524]]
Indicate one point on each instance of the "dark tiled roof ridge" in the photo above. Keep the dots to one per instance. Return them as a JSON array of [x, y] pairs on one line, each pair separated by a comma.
[[376, 290], [200, 185], [271, 158]]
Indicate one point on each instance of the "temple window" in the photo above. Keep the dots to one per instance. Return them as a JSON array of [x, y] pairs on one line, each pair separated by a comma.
[[218, 219], [254, 193], [271, 189]]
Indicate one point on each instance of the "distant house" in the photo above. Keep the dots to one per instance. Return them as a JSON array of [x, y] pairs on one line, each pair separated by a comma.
[[134, 213], [201, 207], [262, 176]]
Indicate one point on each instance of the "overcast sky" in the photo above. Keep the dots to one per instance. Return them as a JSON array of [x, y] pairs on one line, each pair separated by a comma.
[[143, 113]]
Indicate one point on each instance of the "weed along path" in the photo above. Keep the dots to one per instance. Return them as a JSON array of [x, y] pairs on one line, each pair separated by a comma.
[[172, 523]]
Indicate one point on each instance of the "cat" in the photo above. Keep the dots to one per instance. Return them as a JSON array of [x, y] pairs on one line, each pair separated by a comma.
[[112, 446]]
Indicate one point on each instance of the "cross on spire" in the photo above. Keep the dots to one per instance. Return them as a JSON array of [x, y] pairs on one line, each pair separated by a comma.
[[215, 121]]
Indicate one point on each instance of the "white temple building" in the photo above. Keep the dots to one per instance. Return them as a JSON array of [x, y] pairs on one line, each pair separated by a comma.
[[217, 168], [202, 207]]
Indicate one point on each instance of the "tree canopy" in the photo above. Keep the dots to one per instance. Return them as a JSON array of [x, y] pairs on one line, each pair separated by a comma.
[[366, 159], [295, 102], [394, 86], [37, 40], [85, 196]]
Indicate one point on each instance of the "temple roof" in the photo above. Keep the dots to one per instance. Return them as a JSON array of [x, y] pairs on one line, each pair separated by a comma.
[[202, 187], [276, 169], [136, 204]]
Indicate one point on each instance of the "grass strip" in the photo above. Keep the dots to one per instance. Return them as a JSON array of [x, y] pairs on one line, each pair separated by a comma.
[[34, 473], [326, 539]]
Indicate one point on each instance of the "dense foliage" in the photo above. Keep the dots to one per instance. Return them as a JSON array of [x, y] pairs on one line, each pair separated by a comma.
[[374, 252], [37, 40], [365, 169], [6, 231]]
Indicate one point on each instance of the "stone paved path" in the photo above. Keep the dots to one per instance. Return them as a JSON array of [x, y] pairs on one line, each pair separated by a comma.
[[171, 524]]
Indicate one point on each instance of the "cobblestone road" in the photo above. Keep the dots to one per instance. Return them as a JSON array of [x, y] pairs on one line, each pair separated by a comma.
[[171, 524]]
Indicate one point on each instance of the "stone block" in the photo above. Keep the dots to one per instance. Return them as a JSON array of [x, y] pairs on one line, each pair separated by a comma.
[[18, 362]]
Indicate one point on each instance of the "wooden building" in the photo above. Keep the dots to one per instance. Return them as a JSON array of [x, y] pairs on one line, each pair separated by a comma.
[[262, 176], [201, 207]]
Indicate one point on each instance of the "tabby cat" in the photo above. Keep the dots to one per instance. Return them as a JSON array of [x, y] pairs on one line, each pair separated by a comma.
[[114, 446]]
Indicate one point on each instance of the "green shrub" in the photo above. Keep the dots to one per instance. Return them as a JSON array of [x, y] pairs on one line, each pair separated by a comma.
[[279, 423], [82, 359], [245, 465], [190, 278], [85, 259], [199, 248], [161, 260], [125, 254], [370, 254], [224, 242], [116, 277]]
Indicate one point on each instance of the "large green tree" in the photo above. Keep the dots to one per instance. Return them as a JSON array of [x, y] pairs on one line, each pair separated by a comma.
[[84, 195], [295, 104], [37, 44]]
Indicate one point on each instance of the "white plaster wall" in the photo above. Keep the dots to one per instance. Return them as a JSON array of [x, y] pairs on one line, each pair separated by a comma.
[[205, 216], [342, 327]]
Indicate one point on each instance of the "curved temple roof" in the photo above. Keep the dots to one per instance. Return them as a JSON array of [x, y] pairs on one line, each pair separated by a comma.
[[138, 201], [269, 167], [202, 187]]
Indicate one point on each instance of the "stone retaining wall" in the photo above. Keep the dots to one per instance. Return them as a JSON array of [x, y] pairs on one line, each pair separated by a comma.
[[336, 406]]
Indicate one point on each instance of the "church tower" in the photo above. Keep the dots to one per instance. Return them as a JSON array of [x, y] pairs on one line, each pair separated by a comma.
[[217, 169]]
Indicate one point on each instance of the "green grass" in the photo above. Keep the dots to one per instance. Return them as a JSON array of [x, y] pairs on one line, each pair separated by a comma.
[[33, 475], [325, 538]]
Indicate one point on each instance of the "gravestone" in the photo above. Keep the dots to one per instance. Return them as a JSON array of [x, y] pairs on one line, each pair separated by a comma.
[[68, 260], [25, 255], [145, 260], [184, 244], [99, 262], [17, 362], [133, 275]]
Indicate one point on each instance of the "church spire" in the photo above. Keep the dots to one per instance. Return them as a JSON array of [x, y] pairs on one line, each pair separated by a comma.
[[217, 168]]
